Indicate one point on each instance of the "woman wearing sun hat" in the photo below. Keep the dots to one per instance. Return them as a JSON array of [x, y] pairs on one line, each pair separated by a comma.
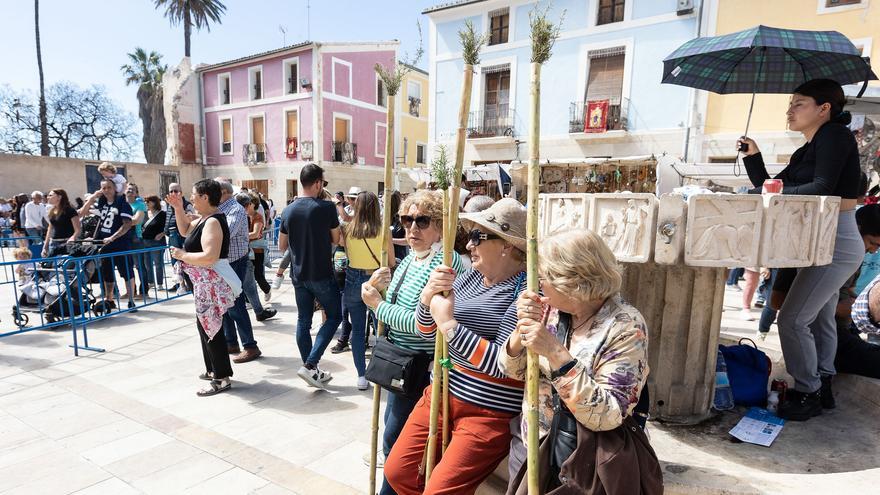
[[476, 317]]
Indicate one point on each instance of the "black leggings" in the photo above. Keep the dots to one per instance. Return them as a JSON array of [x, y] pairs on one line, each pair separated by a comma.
[[215, 353], [260, 271]]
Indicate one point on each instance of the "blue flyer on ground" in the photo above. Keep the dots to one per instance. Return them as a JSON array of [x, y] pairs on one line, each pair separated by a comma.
[[759, 426]]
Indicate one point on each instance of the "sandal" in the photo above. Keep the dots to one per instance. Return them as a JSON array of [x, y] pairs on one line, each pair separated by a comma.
[[215, 387], [208, 375]]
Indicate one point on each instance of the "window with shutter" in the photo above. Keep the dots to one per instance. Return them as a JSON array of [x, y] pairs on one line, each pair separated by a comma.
[[381, 94], [605, 81], [226, 135], [499, 26], [420, 153], [610, 11]]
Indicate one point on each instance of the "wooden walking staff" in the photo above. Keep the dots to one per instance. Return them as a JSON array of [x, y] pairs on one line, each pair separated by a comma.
[[392, 79], [470, 45], [543, 35]]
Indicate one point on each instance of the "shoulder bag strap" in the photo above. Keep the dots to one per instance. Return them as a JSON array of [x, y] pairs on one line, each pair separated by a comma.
[[378, 264], [393, 299]]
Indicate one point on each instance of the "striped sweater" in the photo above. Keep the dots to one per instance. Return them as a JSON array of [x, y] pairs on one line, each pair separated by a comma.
[[401, 316], [486, 316]]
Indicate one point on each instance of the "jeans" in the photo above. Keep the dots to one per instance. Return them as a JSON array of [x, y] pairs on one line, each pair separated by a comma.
[[327, 293], [768, 314], [237, 315], [358, 311], [735, 275], [36, 232], [249, 288], [140, 263], [155, 262], [397, 410], [260, 271]]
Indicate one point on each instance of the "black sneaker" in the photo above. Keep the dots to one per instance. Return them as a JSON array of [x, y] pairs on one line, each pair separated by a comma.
[[800, 406], [266, 314], [340, 347], [826, 397], [173, 288]]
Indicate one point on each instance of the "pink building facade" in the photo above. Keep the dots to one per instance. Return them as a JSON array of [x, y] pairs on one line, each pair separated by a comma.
[[266, 115]]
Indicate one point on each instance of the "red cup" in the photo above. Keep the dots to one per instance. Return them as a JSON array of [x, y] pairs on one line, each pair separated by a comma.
[[772, 186]]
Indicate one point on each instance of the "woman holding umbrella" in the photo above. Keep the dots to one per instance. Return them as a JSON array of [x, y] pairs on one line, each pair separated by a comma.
[[828, 164]]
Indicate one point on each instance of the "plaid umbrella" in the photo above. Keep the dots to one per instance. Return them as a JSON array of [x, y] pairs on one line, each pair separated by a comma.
[[765, 60]]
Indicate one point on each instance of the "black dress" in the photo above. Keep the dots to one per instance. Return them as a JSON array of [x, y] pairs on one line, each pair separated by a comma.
[[214, 351]]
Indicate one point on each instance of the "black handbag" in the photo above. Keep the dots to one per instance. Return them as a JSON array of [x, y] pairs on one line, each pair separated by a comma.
[[394, 368]]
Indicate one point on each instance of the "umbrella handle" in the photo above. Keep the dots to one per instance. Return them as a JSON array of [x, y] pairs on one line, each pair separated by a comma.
[[867, 76]]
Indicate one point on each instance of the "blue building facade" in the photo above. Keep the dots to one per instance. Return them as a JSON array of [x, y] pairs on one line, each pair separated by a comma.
[[609, 50]]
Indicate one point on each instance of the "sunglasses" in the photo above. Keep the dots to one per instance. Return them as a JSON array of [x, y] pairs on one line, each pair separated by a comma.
[[422, 221], [476, 237], [324, 183]]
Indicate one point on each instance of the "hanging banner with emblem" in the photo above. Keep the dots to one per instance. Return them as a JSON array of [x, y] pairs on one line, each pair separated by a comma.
[[596, 118]]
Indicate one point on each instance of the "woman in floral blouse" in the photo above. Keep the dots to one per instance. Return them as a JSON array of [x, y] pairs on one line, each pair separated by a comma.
[[600, 366]]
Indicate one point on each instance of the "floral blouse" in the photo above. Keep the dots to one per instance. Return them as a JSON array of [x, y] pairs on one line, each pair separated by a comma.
[[212, 294], [604, 387]]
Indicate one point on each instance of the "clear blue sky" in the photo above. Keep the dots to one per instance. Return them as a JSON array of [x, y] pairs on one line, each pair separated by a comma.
[[85, 41]]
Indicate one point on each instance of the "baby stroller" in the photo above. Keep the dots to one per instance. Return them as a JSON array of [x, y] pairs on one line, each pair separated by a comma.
[[89, 274], [55, 288]]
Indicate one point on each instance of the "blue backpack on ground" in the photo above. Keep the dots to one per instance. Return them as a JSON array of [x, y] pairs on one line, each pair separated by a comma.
[[748, 370]]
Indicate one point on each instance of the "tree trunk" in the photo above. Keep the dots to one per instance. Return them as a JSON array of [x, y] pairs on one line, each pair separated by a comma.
[[187, 28], [157, 145], [146, 115], [44, 130]]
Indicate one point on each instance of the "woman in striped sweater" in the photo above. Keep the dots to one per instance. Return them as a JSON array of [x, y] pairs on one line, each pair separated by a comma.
[[476, 317], [422, 217]]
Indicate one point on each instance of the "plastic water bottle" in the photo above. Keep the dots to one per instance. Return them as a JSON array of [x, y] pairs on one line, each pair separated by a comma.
[[773, 401]]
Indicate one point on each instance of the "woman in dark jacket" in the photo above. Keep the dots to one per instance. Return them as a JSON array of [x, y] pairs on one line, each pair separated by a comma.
[[827, 165]]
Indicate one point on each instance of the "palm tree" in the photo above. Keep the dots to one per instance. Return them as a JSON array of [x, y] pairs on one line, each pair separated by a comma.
[[198, 13], [146, 71], [44, 130]]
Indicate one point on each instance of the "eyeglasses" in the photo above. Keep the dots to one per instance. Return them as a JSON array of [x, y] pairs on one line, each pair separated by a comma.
[[422, 221], [324, 183], [476, 237], [174, 191]]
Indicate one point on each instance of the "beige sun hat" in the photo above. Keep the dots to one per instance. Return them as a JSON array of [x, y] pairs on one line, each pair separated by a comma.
[[353, 191], [506, 218]]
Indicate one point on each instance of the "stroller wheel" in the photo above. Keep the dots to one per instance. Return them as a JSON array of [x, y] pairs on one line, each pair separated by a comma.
[[21, 319]]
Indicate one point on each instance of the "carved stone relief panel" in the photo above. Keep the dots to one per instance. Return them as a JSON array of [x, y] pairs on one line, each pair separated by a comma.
[[565, 212], [829, 208], [670, 233], [626, 223], [723, 230], [789, 230]]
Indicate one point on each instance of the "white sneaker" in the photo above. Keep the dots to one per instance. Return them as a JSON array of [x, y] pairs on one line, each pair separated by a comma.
[[276, 284], [762, 336], [746, 315], [267, 296], [362, 383], [315, 378], [380, 459], [181, 291]]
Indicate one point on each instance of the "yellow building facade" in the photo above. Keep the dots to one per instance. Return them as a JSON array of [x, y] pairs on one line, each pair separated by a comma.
[[726, 115], [412, 118]]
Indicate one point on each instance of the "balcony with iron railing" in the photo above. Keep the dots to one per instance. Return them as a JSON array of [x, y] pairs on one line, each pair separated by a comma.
[[491, 123], [343, 152], [615, 121], [252, 154]]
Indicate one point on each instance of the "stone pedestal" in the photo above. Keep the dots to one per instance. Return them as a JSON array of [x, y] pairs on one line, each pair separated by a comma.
[[682, 307], [675, 254]]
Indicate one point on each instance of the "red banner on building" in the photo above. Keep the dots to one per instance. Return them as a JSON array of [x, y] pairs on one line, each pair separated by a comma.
[[596, 116], [291, 147]]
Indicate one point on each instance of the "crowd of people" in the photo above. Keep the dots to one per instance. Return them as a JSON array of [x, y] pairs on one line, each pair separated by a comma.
[[592, 345]]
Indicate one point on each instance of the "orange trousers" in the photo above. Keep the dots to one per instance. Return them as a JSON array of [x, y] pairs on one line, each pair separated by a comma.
[[480, 440]]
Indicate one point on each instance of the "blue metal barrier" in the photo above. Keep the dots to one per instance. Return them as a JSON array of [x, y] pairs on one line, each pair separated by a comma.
[[60, 290]]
